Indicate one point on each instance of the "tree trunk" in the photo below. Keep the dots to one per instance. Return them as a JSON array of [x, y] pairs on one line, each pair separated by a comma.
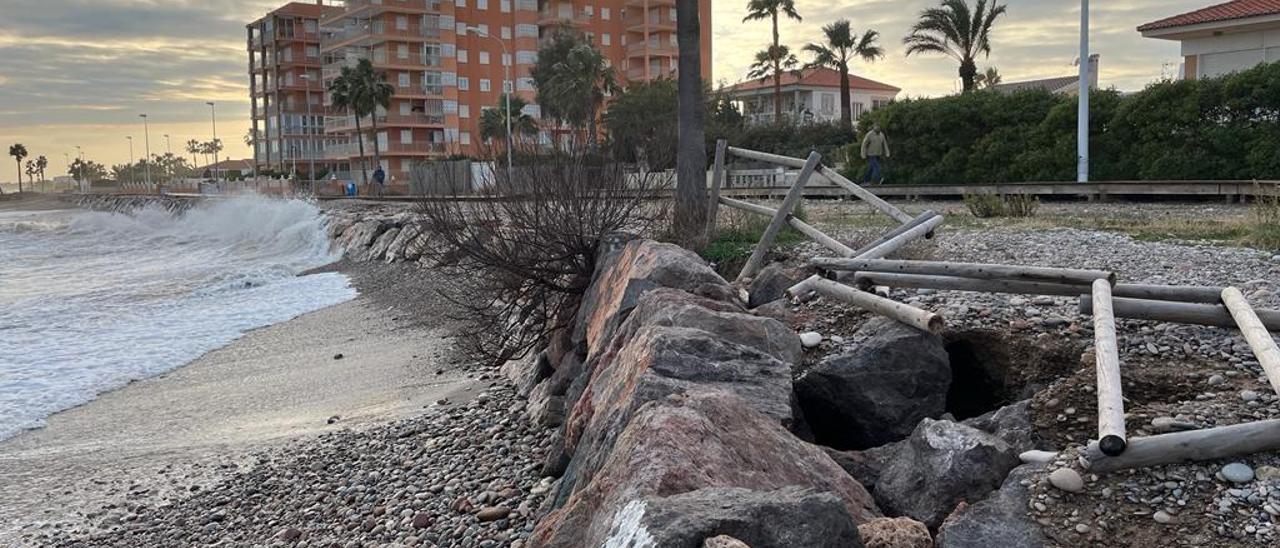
[[377, 156], [19, 176], [364, 171], [968, 74], [846, 114], [691, 158], [777, 73]]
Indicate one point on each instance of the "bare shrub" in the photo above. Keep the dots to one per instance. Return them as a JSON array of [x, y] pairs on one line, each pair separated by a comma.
[[522, 245], [984, 206]]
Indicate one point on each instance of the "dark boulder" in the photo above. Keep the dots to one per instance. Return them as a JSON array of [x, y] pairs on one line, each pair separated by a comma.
[[877, 388], [1011, 423], [772, 283], [999, 520]]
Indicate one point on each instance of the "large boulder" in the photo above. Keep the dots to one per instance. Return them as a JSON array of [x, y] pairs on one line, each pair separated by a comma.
[[999, 520], [877, 388], [942, 464], [526, 372], [361, 235], [772, 284], [396, 251], [786, 517], [701, 439], [639, 266]]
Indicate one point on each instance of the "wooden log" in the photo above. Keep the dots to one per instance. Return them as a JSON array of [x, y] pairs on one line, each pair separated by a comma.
[[771, 232], [1192, 445], [1067, 276], [956, 283], [828, 174], [800, 226], [1111, 436], [1175, 312], [910, 315], [717, 181], [898, 230], [1260, 341], [1181, 293], [900, 241]]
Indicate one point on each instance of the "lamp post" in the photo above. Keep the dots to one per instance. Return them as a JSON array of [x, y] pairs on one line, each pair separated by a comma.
[[80, 154], [506, 77], [168, 146], [311, 154], [1082, 126], [213, 117], [146, 141], [130, 138]]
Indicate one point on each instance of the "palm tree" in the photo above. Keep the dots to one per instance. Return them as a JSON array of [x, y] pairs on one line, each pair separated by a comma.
[[579, 84], [772, 62], [42, 163], [952, 29], [988, 79], [493, 121], [19, 152], [193, 147], [691, 116], [31, 172], [371, 90], [342, 96], [842, 46], [770, 9]]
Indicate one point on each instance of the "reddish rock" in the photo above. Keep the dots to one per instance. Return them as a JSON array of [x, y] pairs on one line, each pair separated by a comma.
[[289, 534], [702, 439], [492, 513], [422, 520], [895, 533]]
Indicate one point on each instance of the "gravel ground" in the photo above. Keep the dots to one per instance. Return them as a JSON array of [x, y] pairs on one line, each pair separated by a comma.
[[1188, 376]]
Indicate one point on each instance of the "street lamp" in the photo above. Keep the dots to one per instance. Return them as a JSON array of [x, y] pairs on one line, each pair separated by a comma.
[[168, 147], [506, 77], [1082, 125], [311, 154], [80, 153], [130, 138], [146, 139], [213, 117]]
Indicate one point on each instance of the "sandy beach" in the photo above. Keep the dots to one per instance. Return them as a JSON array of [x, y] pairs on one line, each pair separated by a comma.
[[364, 362]]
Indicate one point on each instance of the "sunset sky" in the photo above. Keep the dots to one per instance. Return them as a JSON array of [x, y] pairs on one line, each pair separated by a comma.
[[78, 72]]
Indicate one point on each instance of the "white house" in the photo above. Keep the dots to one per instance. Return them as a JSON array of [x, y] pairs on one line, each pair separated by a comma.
[[1225, 38], [810, 96], [1064, 85]]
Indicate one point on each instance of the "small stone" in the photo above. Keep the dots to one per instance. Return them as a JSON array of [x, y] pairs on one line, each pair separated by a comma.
[[1267, 473], [723, 541], [1237, 472], [492, 513], [1248, 395], [810, 339], [1067, 480], [422, 520], [1216, 380], [1082, 528], [1170, 424], [1035, 456], [289, 534], [333, 419], [338, 356], [1162, 517]]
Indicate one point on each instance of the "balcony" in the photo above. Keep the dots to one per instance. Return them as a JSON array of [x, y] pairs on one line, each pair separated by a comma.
[[348, 123], [372, 7], [548, 18], [411, 59], [661, 49], [651, 3], [639, 23], [413, 148]]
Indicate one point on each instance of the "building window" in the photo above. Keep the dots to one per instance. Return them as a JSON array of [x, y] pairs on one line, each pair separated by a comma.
[[406, 136], [879, 103], [466, 138], [461, 28], [482, 4], [604, 13], [484, 29], [464, 111], [526, 57], [505, 6], [464, 83], [855, 109], [605, 39], [506, 33], [828, 103], [462, 56], [526, 31], [402, 22], [524, 84], [402, 51], [460, 3], [485, 84], [404, 79], [484, 58]]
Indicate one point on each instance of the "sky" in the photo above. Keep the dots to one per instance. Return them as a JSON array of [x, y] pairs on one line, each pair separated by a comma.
[[79, 72]]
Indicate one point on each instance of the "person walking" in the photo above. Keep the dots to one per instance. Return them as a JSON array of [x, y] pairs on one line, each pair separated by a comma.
[[380, 181], [875, 149]]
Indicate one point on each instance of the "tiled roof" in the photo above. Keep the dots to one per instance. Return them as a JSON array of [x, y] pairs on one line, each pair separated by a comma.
[[1236, 9], [1047, 84], [818, 77]]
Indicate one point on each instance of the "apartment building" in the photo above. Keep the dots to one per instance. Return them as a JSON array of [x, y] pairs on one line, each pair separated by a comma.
[[286, 92], [449, 60]]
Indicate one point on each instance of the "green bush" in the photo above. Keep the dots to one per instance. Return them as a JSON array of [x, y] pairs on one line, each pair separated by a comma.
[[986, 206], [737, 236]]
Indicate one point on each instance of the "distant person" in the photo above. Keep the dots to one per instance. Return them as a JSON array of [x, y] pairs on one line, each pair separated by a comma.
[[379, 181], [875, 146]]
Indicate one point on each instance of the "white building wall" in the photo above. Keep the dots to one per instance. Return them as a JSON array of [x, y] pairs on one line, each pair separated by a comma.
[[1233, 52]]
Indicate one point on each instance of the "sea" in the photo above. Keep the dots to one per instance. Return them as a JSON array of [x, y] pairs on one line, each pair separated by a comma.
[[90, 301]]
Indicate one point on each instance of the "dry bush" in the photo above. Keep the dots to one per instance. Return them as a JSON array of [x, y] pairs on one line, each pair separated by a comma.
[[1264, 218], [984, 206], [522, 248]]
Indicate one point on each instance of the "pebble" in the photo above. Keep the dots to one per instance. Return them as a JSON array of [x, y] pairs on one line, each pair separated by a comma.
[[1035, 456], [1248, 395], [1216, 380], [1162, 517], [1267, 473], [1082, 528], [1237, 472], [1067, 480], [810, 339]]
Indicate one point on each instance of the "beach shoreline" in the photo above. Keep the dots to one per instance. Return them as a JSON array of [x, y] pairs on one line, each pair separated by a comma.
[[381, 357]]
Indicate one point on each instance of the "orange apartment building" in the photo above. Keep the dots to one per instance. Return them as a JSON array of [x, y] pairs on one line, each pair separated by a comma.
[[448, 60]]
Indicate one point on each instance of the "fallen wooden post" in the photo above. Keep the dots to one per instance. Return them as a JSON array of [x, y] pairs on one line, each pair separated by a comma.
[[1180, 293], [1068, 276], [901, 240], [905, 313], [898, 230], [828, 174], [1260, 341], [956, 283], [1111, 437], [717, 181], [1175, 312], [800, 226], [771, 232], [1192, 445]]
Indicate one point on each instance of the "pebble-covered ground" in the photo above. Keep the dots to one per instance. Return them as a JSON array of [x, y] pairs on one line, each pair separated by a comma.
[[1175, 376]]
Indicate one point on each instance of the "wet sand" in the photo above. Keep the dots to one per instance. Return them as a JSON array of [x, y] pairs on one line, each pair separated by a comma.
[[194, 424]]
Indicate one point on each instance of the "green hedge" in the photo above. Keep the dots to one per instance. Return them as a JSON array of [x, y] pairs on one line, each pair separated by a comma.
[[1224, 128]]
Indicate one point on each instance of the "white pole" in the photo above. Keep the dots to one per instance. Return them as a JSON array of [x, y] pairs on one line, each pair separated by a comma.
[[1082, 174], [132, 175], [146, 140], [213, 119]]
